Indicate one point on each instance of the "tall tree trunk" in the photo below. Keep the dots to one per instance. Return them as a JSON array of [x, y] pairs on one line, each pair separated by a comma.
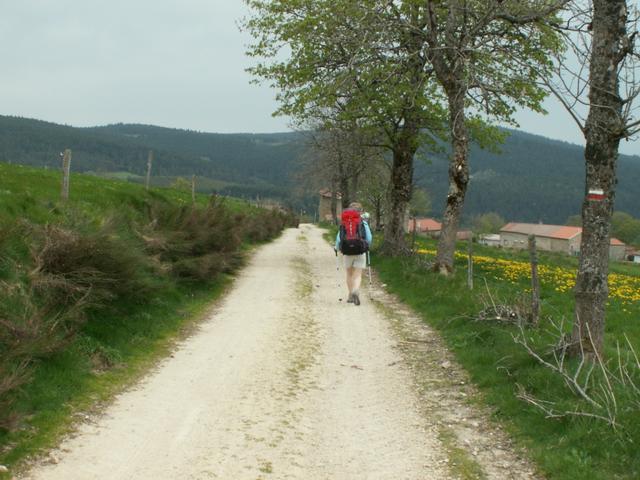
[[400, 190], [343, 179], [603, 131], [355, 185], [334, 200], [458, 180]]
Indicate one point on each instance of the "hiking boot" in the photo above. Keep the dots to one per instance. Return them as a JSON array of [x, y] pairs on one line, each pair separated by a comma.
[[356, 298], [350, 299]]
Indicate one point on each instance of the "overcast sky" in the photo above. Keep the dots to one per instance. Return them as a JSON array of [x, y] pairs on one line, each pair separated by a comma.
[[162, 62]]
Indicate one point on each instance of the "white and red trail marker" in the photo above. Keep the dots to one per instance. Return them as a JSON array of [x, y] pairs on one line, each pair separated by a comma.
[[596, 194]]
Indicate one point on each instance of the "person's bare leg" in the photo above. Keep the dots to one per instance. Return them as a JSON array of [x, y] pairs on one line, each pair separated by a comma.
[[356, 280], [350, 275], [355, 283]]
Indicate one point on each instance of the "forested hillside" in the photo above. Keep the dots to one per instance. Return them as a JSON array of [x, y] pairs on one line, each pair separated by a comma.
[[531, 179]]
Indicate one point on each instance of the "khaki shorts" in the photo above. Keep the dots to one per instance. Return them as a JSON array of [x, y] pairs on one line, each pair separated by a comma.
[[355, 261]]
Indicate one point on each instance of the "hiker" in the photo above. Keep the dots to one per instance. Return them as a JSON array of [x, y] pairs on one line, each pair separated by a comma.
[[353, 240]]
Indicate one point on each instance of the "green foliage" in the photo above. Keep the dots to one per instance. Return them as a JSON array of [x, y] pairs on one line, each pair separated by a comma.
[[420, 203], [488, 223], [626, 228], [564, 448]]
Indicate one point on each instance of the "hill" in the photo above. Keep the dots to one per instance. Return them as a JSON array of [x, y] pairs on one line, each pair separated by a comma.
[[532, 178]]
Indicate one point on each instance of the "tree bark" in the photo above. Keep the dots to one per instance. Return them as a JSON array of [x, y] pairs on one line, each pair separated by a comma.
[[343, 179], [603, 131], [458, 180], [400, 194], [334, 200]]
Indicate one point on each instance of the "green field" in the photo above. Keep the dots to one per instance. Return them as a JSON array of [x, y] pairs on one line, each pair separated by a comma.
[[96, 288], [571, 446]]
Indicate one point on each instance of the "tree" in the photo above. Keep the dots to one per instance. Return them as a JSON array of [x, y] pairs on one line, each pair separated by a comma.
[[377, 63], [625, 228], [364, 60], [602, 35], [374, 187], [420, 203], [471, 46], [488, 223]]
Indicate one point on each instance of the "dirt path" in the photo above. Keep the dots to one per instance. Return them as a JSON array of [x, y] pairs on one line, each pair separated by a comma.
[[286, 382]]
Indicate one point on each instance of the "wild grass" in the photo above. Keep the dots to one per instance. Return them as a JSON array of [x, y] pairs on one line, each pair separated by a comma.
[[94, 287], [565, 447]]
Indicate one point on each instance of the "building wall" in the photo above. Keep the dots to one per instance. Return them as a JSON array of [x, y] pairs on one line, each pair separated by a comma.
[[617, 252], [569, 246], [513, 240], [324, 209]]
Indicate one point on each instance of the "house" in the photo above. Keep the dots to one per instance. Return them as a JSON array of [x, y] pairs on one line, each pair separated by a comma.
[[552, 238], [464, 235], [489, 239], [424, 226], [633, 256], [617, 249], [324, 209]]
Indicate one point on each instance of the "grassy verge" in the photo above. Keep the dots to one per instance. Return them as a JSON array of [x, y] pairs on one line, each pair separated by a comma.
[[569, 447], [97, 288], [100, 363]]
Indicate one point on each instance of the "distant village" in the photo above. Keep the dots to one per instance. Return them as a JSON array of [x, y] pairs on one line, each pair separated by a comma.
[[552, 238]]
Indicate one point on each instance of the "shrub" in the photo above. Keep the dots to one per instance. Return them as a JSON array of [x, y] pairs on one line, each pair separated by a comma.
[[196, 243], [96, 266], [29, 331]]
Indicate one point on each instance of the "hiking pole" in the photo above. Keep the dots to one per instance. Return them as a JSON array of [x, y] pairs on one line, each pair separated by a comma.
[[369, 266], [338, 274]]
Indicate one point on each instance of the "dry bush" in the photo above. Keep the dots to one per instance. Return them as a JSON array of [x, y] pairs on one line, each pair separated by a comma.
[[196, 243], [263, 226], [29, 331], [516, 311], [603, 390], [96, 266]]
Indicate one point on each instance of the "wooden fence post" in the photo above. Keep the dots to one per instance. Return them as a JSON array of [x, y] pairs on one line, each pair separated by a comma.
[[66, 172], [470, 262], [535, 284], [193, 189], [149, 163]]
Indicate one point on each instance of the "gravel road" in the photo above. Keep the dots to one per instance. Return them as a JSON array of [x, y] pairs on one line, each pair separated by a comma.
[[287, 381]]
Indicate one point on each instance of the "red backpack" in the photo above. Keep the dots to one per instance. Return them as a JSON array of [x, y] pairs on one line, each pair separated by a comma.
[[352, 233]]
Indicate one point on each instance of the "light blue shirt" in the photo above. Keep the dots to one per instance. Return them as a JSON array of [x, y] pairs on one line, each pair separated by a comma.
[[367, 235]]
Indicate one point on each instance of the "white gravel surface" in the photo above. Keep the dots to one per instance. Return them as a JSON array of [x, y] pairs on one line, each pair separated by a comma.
[[286, 381]]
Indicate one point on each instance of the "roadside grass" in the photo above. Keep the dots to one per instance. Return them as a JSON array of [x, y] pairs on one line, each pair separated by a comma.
[[103, 360], [96, 289], [563, 448]]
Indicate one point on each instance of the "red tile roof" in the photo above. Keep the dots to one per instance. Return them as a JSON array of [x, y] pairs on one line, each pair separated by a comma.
[[429, 224], [561, 232], [566, 233], [325, 192]]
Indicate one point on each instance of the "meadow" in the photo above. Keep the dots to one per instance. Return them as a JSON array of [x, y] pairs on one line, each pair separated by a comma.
[[566, 435]]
